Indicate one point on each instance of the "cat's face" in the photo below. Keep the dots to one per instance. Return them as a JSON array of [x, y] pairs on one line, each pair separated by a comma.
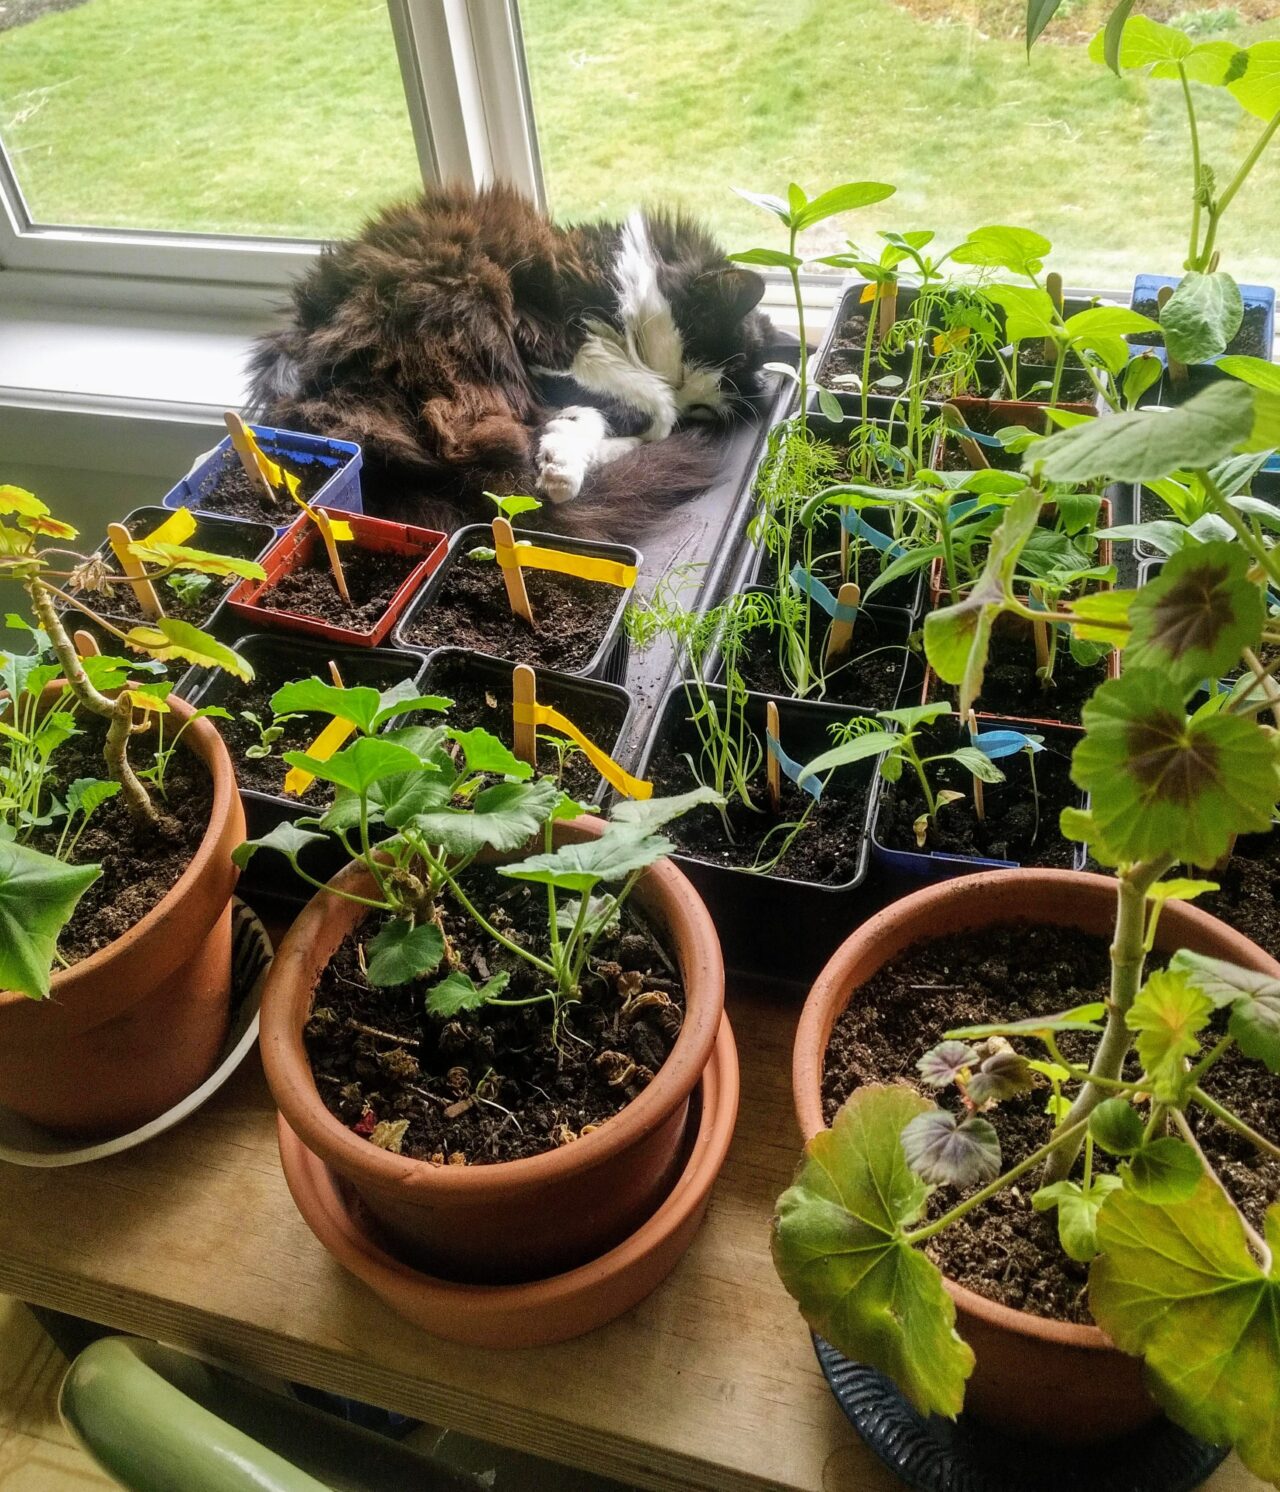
[[691, 315]]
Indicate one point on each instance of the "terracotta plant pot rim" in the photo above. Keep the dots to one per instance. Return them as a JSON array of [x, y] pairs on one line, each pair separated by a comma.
[[810, 1036], [285, 1061], [202, 740], [538, 1311]]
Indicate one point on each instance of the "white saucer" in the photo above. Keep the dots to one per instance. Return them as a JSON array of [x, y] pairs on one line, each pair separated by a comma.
[[25, 1144]]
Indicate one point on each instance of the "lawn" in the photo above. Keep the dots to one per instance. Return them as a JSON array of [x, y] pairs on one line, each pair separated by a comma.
[[288, 117]]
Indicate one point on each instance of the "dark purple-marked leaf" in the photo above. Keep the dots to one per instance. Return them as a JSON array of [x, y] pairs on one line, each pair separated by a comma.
[[1001, 1075], [1166, 1170], [1177, 1285], [1168, 1014], [945, 1062], [947, 1153], [1163, 783], [840, 1250], [1194, 618]]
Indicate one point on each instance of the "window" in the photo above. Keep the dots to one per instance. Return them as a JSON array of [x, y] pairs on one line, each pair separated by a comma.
[[680, 101]]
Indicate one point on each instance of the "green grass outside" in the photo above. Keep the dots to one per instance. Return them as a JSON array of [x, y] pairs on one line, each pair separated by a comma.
[[288, 117]]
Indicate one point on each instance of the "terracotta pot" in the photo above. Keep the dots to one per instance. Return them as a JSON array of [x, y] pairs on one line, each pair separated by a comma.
[[129, 1031], [1048, 1379], [515, 1220]]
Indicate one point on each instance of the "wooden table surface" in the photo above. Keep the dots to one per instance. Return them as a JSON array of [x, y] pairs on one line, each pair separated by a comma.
[[709, 1384]]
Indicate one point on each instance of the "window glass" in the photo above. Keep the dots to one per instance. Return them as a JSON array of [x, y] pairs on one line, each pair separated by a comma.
[[679, 101], [264, 117]]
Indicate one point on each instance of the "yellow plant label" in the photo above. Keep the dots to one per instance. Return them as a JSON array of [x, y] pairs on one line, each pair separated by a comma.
[[584, 566], [868, 293], [334, 734], [176, 529], [613, 774]]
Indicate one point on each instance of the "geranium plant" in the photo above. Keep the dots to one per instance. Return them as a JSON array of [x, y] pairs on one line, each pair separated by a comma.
[[39, 891], [1178, 1274]]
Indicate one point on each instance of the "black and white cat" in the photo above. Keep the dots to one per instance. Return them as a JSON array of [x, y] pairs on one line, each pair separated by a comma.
[[471, 345]]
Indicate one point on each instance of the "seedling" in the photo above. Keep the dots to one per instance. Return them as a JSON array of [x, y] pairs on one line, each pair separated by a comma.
[[38, 891], [1170, 783], [189, 587], [268, 734]]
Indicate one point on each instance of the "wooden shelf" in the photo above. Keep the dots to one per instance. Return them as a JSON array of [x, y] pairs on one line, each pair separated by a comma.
[[710, 1384]]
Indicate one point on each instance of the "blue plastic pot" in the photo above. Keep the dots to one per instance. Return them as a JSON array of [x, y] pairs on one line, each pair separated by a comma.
[[342, 457], [1146, 289]]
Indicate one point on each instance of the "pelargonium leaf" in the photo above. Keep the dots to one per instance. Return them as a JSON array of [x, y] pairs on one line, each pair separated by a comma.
[[612, 856], [1117, 1126], [1168, 1013], [484, 752], [650, 814], [1254, 999], [358, 704], [400, 952], [502, 818], [840, 1250], [287, 837], [1164, 1170], [1195, 617], [199, 560], [947, 1152], [38, 894], [1162, 783], [1176, 1284], [1078, 1018], [458, 992], [1001, 1075], [368, 760], [943, 1064], [169, 638], [1077, 1213]]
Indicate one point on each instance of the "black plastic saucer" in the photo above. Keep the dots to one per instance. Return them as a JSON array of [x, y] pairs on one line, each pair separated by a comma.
[[939, 1455]]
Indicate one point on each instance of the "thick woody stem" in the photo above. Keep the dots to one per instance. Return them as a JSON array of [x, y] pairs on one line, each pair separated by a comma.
[[72, 668], [116, 753]]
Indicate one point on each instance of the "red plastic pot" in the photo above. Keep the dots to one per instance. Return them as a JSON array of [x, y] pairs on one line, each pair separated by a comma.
[[298, 546], [1046, 1379]]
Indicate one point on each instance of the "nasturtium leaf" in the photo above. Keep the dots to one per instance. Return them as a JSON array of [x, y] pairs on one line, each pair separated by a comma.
[[1078, 1018], [1077, 1213], [1117, 1126], [1148, 443], [840, 1250], [38, 894], [649, 814], [612, 856], [1164, 1170], [1000, 1076], [1255, 371], [1177, 1285], [1254, 999], [1162, 783], [943, 1064], [457, 992], [1192, 620], [945, 1151], [169, 638], [399, 952], [368, 759], [484, 752], [1258, 87], [1019, 250], [1201, 316], [502, 818], [1216, 63], [846, 198], [1168, 1013], [287, 837]]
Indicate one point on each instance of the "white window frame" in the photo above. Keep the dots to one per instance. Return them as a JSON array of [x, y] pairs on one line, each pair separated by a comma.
[[467, 92]]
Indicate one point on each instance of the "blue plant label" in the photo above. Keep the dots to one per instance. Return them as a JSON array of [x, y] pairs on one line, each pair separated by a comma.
[[995, 744], [991, 441], [811, 784], [855, 524], [812, 587]]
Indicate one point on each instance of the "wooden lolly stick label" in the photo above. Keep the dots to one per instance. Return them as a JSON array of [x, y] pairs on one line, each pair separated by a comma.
[[840, 636], [524, 709], [504, 546], [251, 458], [120, 540], [528, 716], [773, 769]]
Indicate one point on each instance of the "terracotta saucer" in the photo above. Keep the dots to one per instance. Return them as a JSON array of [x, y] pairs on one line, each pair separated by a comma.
[[543, 1311]]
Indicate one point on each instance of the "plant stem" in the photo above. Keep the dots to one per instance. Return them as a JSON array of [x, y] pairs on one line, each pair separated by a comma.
[[1218, 500], [1236, 182], [1075, 1132], [1127, 959], [72, 668], [1193, 257], [1257, 1242], [491, 931], [116, 755], [1233, 1121]]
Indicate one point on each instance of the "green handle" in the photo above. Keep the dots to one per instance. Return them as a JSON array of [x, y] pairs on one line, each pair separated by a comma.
[[151, 1437]]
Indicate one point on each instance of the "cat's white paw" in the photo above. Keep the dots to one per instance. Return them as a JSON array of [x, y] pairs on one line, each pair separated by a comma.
[[560, 476], [565, 453]]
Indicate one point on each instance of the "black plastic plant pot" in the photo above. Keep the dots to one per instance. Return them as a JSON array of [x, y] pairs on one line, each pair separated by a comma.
[[907, 869], [481, 690], [578, 623], [783, 924], [276, 659], [879, 668], [1264, 484], [238, 538]]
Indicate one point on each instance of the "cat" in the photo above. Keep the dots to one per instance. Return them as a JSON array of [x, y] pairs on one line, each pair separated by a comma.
[[471, 345]]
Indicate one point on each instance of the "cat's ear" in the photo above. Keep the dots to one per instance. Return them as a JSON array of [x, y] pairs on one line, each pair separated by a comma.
[[738, 290]]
